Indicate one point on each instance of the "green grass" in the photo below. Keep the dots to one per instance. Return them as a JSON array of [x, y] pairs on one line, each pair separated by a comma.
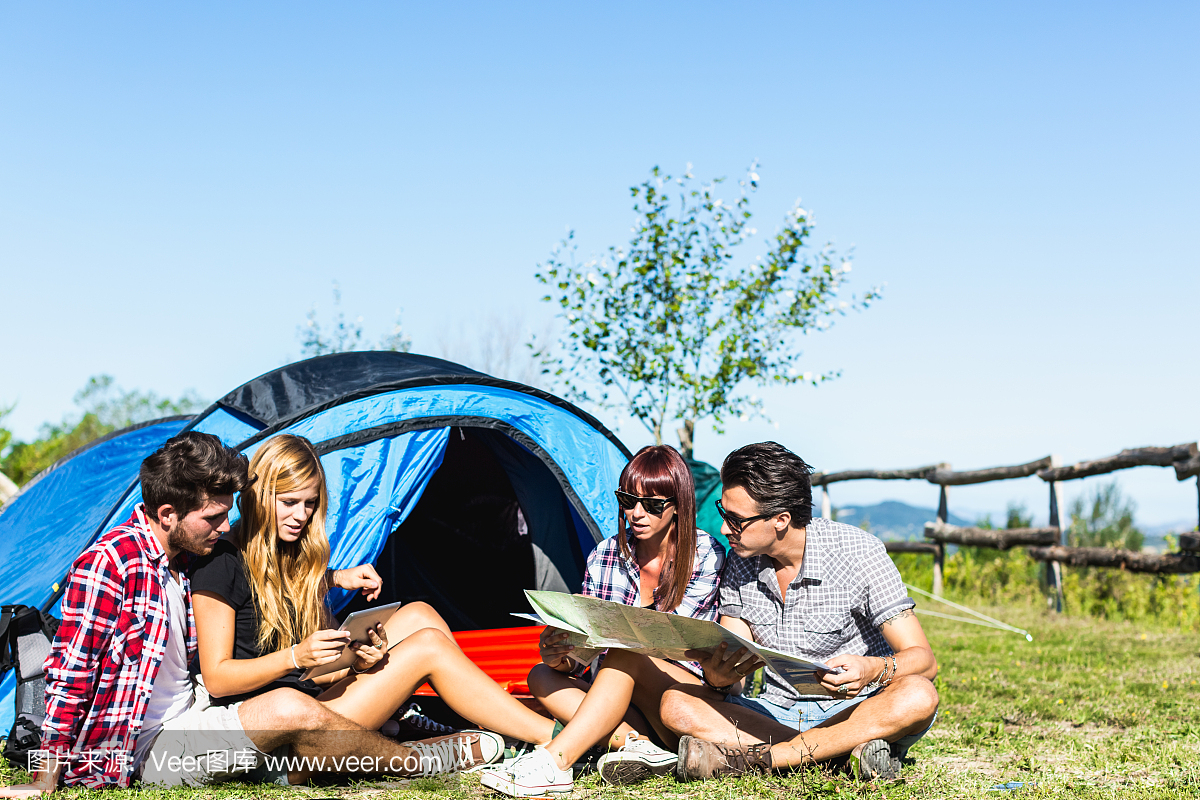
[[1090, 709]]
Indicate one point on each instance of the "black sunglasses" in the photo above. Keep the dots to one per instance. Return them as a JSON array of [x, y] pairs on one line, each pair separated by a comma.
[[653, 505], [736, 523]]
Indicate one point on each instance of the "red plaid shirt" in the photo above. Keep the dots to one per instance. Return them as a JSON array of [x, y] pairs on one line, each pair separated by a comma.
[[101, 668]]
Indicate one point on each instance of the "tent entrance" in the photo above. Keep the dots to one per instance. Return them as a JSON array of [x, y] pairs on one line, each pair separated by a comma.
[[492, 522]]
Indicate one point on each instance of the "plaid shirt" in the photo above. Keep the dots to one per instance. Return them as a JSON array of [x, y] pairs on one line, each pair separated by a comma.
[[612, 576], [106, 655], [845, 590]]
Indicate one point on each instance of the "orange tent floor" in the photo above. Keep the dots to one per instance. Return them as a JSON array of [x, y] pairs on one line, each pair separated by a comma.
[[505, 654]]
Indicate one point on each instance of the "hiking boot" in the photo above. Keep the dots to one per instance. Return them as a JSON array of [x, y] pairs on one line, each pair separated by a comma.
[[458, 752], [873, 759], [635, 761], [409, 723], [699, 759], [532, 775]]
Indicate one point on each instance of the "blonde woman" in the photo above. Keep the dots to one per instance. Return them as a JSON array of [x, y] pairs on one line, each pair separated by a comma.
[[261, 618]]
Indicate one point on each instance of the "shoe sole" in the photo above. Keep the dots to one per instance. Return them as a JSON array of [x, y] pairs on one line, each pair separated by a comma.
[[875, 761], [512, 790], [623, 773]]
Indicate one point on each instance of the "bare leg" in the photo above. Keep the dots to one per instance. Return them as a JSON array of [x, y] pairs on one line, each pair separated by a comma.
[[562, 695], [409, 619], [312, 730], [427, 655], [906, 706], [625, 677]]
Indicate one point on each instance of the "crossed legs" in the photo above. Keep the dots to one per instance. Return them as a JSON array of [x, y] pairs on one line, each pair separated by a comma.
[[604, 710], [905, 707], [314, 733]]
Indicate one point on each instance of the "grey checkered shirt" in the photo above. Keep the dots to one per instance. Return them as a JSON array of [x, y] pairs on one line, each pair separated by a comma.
[[845, 589]]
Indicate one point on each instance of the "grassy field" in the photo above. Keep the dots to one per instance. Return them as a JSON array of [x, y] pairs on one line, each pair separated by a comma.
[[1089, 709]]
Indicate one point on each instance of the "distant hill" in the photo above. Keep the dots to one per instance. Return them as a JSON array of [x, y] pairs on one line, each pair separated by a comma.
[[892, 519], [1156, 535]]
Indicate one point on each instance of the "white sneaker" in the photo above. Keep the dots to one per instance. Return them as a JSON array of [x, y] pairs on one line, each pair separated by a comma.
[[457, 752], [532, 775], [637, 760]]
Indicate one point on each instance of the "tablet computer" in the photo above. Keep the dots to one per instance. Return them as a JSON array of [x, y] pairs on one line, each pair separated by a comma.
[[358, 624]]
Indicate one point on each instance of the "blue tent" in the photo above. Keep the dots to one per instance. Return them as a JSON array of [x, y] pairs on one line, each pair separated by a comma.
[[461, 488]]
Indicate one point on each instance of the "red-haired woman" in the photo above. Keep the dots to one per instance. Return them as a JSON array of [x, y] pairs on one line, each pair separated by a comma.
[[658, 559]]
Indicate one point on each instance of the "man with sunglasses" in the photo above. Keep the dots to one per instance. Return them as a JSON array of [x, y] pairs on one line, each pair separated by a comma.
[[821, 590]]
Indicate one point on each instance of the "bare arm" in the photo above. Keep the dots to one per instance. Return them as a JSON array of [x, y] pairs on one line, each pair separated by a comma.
[[225, 675], [913, 656]]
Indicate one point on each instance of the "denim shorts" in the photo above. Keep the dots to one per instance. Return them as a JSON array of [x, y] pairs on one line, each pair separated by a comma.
[[807, 714]]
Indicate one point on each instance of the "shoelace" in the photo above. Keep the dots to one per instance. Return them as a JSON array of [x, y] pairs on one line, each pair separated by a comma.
[[448, 755], [529, 764], [414, 717], [634, 744], [755, 758]]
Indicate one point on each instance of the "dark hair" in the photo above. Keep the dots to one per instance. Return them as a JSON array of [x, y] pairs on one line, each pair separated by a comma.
[[190, 468], [775, 478], [660, 470]]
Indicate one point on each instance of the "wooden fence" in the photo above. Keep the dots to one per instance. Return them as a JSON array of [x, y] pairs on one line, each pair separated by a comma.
[[1048, 543]]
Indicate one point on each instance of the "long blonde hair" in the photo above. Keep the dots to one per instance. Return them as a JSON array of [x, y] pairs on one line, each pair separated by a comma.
[[287, 579]]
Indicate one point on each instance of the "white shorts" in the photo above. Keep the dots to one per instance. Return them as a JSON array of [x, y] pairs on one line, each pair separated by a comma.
[[204, 745]]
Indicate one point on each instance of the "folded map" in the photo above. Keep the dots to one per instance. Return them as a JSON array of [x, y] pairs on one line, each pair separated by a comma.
[[596, 624]]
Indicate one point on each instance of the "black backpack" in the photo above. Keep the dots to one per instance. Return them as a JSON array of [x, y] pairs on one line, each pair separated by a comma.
[[25, 637]]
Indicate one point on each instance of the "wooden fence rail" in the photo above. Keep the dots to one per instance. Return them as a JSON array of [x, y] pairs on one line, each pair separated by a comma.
[[1140, 457], [1046, 544], [1170, 564], [999, 538], [913, 547]]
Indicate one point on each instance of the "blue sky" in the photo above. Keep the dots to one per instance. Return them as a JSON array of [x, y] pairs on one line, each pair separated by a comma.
[[181, 183]]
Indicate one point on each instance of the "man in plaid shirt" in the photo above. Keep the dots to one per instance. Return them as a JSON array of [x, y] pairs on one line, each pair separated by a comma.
[[120, 702], [820, 590]]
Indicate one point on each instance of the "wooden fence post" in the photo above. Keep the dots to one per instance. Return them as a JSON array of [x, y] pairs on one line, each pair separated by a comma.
[[1054, 572], [939, 555]]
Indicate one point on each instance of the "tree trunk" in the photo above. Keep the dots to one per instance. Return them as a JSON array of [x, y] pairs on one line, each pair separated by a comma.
[[685, 437]]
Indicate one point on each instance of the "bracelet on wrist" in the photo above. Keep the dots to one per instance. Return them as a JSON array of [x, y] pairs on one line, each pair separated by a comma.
[[357, 671], [714, 687], [293, 653], [878, 681]]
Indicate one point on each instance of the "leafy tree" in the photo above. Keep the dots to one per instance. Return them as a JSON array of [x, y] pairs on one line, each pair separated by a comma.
[[105, 408], [344, 336], [1018, 516], [1104, 519], [671, 327], [5, 434]]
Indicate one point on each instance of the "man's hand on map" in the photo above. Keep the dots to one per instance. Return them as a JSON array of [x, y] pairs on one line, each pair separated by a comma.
[[554, 649], [857, 672], [723, 667]]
